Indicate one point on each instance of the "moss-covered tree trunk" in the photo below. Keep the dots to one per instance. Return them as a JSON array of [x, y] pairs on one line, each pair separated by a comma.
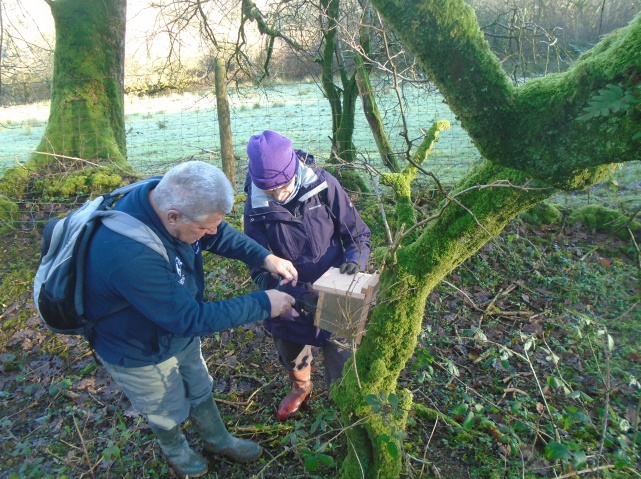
[[342, 101], [86, 119], [532, 145]]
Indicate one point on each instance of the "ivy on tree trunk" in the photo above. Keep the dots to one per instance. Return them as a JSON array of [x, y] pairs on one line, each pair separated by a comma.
[[532, 145]]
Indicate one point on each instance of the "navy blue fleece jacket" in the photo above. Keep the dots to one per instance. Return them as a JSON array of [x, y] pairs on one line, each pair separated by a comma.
[[160, 304]]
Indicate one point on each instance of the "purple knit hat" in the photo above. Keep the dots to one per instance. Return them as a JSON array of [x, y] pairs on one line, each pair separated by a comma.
[[272, 160]]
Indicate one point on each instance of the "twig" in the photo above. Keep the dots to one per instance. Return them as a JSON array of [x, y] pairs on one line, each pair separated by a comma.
[[585, 471], [96, 399], [514, 390], [547, 406], [205, 150], [255, 378], [57, 155], [606, 406], [429, 440], [232, 403], [23, 410], [251, 396], [464, 294], [264, 430], [422, 461], [84, 447], [636, 426], [498, 313], [636, 246]]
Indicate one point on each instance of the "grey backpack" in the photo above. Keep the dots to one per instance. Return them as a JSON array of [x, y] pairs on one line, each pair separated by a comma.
[[58, 289]]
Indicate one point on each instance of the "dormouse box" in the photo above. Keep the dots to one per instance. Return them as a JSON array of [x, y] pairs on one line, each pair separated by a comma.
[[344, 302]]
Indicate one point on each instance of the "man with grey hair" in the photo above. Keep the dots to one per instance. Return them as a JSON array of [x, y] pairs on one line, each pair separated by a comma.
[[151, 313]]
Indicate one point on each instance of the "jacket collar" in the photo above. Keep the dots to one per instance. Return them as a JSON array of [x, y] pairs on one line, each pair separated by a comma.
[[311, 184]]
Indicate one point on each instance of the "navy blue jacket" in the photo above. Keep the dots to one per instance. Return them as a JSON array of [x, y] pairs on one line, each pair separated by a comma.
[[318, 229], [162, 303]]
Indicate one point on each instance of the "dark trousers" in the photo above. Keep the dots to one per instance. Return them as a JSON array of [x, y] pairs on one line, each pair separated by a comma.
[[296, 356]]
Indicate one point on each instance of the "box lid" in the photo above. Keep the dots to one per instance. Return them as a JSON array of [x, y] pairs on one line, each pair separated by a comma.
[[352, 285]]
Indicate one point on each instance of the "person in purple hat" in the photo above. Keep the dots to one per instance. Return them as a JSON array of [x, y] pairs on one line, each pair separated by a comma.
[[300, 212]]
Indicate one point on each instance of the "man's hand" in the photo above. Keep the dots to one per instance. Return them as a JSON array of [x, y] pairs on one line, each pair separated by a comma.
[[280, 267], [281, 302], [349, 268]]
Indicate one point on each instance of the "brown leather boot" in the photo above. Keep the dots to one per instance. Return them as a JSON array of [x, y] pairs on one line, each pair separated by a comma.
[[301, 389]]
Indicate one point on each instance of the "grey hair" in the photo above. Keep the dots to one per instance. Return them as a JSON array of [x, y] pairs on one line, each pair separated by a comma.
[[195, 189]]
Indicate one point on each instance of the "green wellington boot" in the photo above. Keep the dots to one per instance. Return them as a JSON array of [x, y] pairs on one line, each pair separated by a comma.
[[211, 428], [185, 461]]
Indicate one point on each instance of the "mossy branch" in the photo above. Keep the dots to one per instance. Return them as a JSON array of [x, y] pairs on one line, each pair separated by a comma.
[[532, 128], [373, 116], [401, 182]]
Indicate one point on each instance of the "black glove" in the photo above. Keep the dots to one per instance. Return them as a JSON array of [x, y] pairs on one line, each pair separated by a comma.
[[349, 268], [307, 303]]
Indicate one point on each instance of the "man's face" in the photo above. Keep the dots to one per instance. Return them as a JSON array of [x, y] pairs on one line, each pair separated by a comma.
[[190, 232], [283, 192]]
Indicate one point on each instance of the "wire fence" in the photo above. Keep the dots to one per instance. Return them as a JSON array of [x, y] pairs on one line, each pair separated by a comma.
[[164, 130]]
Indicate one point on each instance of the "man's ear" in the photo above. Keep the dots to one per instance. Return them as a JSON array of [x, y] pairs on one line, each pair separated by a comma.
[[172, 216]]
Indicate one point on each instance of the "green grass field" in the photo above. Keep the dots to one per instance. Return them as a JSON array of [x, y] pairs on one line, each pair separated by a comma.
[[163, 130]]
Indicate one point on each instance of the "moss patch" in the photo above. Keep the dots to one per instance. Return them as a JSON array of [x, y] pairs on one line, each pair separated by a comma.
[[597, 217], [542, 214]]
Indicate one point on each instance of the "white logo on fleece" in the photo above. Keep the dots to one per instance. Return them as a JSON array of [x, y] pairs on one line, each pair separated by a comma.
[[179, 271]]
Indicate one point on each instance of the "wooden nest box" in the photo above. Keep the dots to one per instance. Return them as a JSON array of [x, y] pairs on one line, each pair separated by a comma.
[[344, 302]]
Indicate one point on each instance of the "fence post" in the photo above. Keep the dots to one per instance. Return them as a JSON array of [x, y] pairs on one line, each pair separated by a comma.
[[224, 122]]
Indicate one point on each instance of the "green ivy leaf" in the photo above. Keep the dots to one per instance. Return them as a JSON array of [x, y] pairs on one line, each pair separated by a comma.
[[32, 388], [311, 463], [556, 450], [580, 460], [326, 460], [553, 381], [58, 386], [111, 452], [459, 409], [468, 423], [392, 448], [372, 400]]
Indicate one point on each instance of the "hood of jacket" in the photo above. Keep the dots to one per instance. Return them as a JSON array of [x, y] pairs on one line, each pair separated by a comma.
[[311, 183]]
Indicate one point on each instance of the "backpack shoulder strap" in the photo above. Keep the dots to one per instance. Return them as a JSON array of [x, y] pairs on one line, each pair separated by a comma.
[[132, 186], [126, 225]]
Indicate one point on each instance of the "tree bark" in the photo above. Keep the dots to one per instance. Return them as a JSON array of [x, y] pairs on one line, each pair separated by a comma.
[[343, 106], [532, 144], [224, 122], [86, 118], [373, 116]]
